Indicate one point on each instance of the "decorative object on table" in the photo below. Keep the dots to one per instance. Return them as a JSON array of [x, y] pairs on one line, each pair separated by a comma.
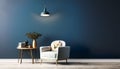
[[23, 44], [33, 36], [29, 46], [26, 42]]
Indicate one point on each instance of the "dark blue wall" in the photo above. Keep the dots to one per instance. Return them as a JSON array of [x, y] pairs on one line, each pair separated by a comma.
[[90, 27]]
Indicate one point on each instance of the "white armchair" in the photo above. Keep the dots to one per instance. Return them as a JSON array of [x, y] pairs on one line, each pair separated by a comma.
[[57, 51]]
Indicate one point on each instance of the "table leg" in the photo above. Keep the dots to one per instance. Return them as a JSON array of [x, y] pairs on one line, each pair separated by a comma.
[[18, 55], [21, 51], [32, 56]]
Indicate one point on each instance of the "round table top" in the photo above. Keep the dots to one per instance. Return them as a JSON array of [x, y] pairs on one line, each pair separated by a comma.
[[24, 48]]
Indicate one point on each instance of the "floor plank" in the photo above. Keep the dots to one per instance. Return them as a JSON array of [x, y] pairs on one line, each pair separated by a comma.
[[61, 65]]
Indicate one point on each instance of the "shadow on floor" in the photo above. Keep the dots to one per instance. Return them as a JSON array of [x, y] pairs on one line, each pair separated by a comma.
[[69, 63], [84, 63]]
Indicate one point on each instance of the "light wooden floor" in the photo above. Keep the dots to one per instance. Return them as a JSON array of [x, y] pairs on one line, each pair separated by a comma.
[[72, 64]]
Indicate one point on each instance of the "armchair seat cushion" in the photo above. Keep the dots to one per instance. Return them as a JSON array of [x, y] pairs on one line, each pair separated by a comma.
[[49, 54]]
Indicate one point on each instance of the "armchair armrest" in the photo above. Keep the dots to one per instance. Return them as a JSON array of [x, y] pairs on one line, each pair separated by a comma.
[[45, 48], [63, 52]]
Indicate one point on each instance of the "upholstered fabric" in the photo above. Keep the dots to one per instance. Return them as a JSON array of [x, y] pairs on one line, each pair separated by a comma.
[[59, 51], [49, 55]]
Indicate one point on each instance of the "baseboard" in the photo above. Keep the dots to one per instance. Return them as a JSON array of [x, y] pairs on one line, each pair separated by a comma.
[[69, 60]]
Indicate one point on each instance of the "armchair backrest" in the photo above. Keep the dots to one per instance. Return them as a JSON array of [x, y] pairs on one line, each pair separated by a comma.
[[57, 43]]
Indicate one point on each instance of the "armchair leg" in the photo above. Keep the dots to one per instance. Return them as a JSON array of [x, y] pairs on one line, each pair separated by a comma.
[[56, 62], [40, 61], [66, 61]]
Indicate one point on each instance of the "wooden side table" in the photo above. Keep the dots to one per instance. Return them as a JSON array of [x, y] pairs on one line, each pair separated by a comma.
[[20, 55]]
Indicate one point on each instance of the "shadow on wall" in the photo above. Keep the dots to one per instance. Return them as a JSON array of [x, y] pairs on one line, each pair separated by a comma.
[[45, 41], [79, 51]]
